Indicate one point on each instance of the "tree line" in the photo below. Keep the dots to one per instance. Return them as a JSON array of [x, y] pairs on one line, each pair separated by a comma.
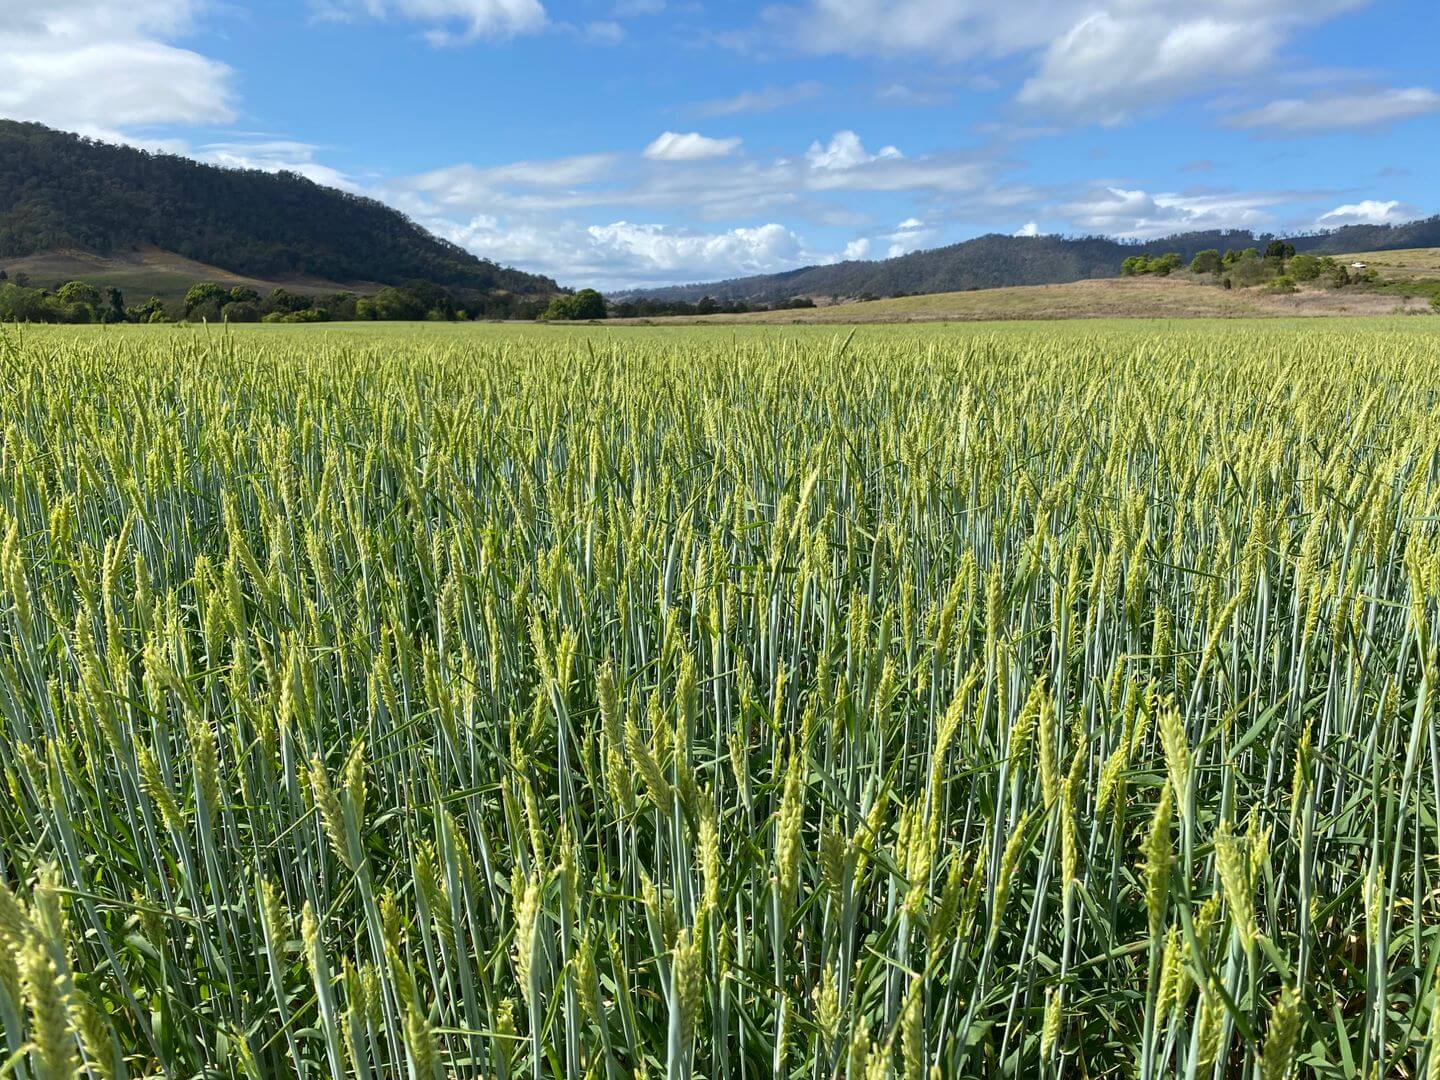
[[588, 304], [1279, 267], [79, 302]]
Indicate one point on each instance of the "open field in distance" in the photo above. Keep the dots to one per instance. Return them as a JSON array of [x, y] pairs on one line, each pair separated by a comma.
[[1177, 297]]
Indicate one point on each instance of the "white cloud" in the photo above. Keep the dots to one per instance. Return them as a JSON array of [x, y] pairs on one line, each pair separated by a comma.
[[1342, 111], [100, 67], [845, 151], [1095, 61], [1141, 215], [716, 188], [674, 251], [273, 155], [1368, 212], [1030, 228], [626, 254], [857, 249], [605, 32], [912, 234], [474, 18], [902, 94], [690, 146], [755, 101], [1094, 70]]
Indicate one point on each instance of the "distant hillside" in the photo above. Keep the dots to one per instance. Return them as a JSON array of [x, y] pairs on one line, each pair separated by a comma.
[[60, 192], [995, 261]]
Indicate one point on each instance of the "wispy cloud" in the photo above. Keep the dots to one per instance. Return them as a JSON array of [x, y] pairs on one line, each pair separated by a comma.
[[757, 101], [689, 146], [1357, 110]]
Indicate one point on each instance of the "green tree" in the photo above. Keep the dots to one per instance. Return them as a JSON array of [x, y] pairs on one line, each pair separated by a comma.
[[206, 295], [1279, 251], [283, 302], [1166, 264], [244, 294], [1206, 262], [1305, 267], [79, 292], [114, 311], [1135, 264], [242, 311], [588, 304], [397, 305], [153, 310]]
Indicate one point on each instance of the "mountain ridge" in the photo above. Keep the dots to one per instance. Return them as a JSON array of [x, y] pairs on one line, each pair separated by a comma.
[[995, 260], [62, 191]]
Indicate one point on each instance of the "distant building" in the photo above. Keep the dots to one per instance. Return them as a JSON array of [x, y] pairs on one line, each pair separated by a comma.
[[1358, 266]]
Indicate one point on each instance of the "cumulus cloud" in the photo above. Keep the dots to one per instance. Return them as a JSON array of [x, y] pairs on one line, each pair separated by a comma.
[[1342, 110], [845, 151], [690, 146], [1030, 228], [542, 214], [1142, 215], [448, 21], [101, 68], [1368, 212], [625, 254], [676, 176]]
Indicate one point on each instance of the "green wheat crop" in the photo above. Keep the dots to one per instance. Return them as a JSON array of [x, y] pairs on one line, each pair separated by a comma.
[[921, 703]]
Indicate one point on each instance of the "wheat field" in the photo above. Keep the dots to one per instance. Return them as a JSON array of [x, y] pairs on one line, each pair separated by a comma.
[[944, 702]]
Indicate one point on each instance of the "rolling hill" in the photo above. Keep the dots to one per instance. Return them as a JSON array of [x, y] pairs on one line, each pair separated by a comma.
[[996, 261], [72, 201], [1179, 296]]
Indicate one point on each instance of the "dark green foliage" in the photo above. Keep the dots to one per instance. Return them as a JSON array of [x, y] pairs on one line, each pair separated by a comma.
[[1305, 267], [78, 292], [1206, 262], [1163, 265], [72, 302], [61, 191], [153, 310], [243, 311], [587, 304], [584, 305], [641, 307], [206, 296], [392, 305]]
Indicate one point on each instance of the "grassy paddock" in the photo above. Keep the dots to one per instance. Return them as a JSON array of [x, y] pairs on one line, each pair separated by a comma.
[[545, 701]]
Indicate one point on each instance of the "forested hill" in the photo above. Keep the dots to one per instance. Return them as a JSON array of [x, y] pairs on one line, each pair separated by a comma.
[[59, 192], [993, 261]]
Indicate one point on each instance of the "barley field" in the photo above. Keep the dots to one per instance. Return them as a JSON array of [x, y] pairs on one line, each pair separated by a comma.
[[1025, 701]]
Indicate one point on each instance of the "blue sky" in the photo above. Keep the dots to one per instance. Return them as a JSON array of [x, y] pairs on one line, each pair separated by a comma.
[[630, 142]]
